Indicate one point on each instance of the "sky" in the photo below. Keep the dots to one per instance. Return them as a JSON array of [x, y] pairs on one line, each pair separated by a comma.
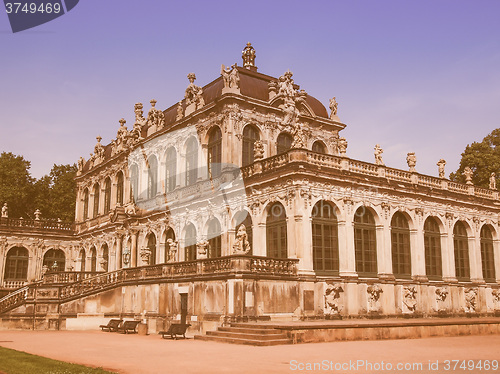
[[413, 76]]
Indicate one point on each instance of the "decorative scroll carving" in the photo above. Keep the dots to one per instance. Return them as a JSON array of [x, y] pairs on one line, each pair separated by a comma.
[[332, 299]]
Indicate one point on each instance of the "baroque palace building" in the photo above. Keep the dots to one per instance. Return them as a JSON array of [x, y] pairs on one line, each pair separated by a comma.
[[240, 202]]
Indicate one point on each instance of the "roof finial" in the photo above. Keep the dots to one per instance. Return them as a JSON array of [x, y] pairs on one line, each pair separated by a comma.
[[248, 55]]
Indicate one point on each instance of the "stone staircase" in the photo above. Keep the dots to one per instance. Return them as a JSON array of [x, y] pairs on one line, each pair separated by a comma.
[[246, 333]]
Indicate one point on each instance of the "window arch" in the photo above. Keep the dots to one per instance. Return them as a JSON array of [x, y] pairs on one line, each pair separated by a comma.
[[214, 238], [244, 218], [461, 248], [16, 264], [54, 257], [169, 234], [170, 169], [86, 204], [81, 257], [276, 234], [325, 237], [214, 152], [107, 195], [319, 146], [487, 254], [432, 244], [250, 136], [93, 259], [96, 200], [400, 242], [119, 188], [283, 143], [152, 248], [105, 257], [365, 245], [191, 161], [134, 183], [152, 177], [190, 243]]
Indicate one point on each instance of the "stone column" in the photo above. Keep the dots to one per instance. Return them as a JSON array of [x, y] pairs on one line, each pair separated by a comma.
[[119, 251], [133, 249], [448, 256], [476, 269], [417, 249], [79, 205], [496, 256], [347, 258], [259, 239], [384, 253]]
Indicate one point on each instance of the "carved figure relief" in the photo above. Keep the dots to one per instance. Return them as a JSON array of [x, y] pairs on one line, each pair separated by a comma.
[[180, 112], [230, 77], [172, 249], [409, 299], [470, 300], [374, 291], [202, 248], [193, 94], [156, 118], [342, 146], [145, 254], [496, 298], [441, 295], [241, 244], [258, 150], [332, 299]]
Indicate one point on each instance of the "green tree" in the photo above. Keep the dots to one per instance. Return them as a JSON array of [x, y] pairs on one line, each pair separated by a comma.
[[483, 158], [16, 184]]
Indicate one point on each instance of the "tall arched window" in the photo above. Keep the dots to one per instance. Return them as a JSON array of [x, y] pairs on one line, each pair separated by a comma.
[[119, 188], [283, 143], [215, 239], [93, 259], [400, 241], [487, 254], [134, 183], [107, 195], [105, 257], [250, 136], [461, 247], [191, 161], [152, 177], [214, 152], [276, 235], [16, 265], [170, 169], [85, 204], [96, 200], [244, 218], [432, 244], [169, 235], [365, 245], [319, 147], [152, 248], [81, 257], [54, 257], [325, 237], [190, 243]]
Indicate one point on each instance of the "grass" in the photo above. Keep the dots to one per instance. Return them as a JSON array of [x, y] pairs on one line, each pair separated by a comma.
[[15, 362]]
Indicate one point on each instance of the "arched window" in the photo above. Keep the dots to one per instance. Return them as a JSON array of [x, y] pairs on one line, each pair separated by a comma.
[[105, 257], [432, 244], [96, 200], [487, 255], [250, 136], [119, 188], [214, 239], [152, 248], [276, 235], [400, 241], [16, 265], [190, 243], [168, 235], [325, 237], [107, 196], [319, 147], [134, 183], [81, 257], [54, 259], [214, 152], [191, 161], [93, 259], [244, 218], [461, 247], [85, 204], [152, 177], [365, 245], [283, 143], [170, 169]]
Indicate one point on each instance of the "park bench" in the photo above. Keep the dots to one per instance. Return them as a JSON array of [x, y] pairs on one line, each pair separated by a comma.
[[129, 327], [174, 330], [112, 325]]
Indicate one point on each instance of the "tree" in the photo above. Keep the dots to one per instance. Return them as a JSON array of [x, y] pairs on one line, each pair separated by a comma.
[[483, 158], [16, 184]]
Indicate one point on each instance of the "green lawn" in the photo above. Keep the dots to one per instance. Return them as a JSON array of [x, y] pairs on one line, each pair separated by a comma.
[[15, 362]]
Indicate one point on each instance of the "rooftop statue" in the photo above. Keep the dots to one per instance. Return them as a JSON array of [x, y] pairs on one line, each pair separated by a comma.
[[493, 181], [248, 55], [378, 155], [441, 164], [468, 173], [156, 118], [230, 77], [333, 107], [411, 160]]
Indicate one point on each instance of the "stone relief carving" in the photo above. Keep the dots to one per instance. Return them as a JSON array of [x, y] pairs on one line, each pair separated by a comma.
[[172, 250], [470, 300], [156, 118], [496, 298], [145, 254], [411, 160], [378, 155], [342, 146], [258, 150], [441, 295], [180, 112], [493, 181], [202, 248], [241, 244], [5, 211], [409, 299], [374, 292], [332, 299], [441, 164], [468, 173]]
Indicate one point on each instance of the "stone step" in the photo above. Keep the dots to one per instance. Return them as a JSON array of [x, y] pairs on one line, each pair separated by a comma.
[[250, 330], [248, 336], [223, 339], [253, 325]]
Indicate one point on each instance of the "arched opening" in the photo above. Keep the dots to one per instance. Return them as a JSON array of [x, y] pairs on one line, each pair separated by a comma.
[[107, 195], [283, 143], [55, 260], [432, 244], [214, 238], [152, 248], [461, 249], [190, 243], [487, 255], [81, 258], [365, 245], [119, 189], [250, 136], [152, 177], [191, 161], [319, 146], [400, 242], [276, 233], [105, 257], [134, 183], [96, 200], [85, 204], [170, 234], [170, 169], [16, 264], [325, 237], [214, 152], [93, 259], [244, 218]]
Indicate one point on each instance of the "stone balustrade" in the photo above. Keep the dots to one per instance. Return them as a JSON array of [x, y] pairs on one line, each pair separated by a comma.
[[30, 224]]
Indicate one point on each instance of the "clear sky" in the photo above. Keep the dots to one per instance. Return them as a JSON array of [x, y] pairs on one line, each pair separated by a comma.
[[414, 76]]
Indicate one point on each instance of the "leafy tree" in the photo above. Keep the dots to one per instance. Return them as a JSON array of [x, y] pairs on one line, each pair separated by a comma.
[[63, 192], [483, 158], [16, 184]]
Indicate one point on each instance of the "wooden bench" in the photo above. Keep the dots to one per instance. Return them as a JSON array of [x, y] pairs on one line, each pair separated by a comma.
[[129, 327], [112, 325], [174, 330]]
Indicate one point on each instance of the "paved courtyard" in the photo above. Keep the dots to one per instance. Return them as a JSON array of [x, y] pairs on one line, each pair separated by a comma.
[[137, 354]]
